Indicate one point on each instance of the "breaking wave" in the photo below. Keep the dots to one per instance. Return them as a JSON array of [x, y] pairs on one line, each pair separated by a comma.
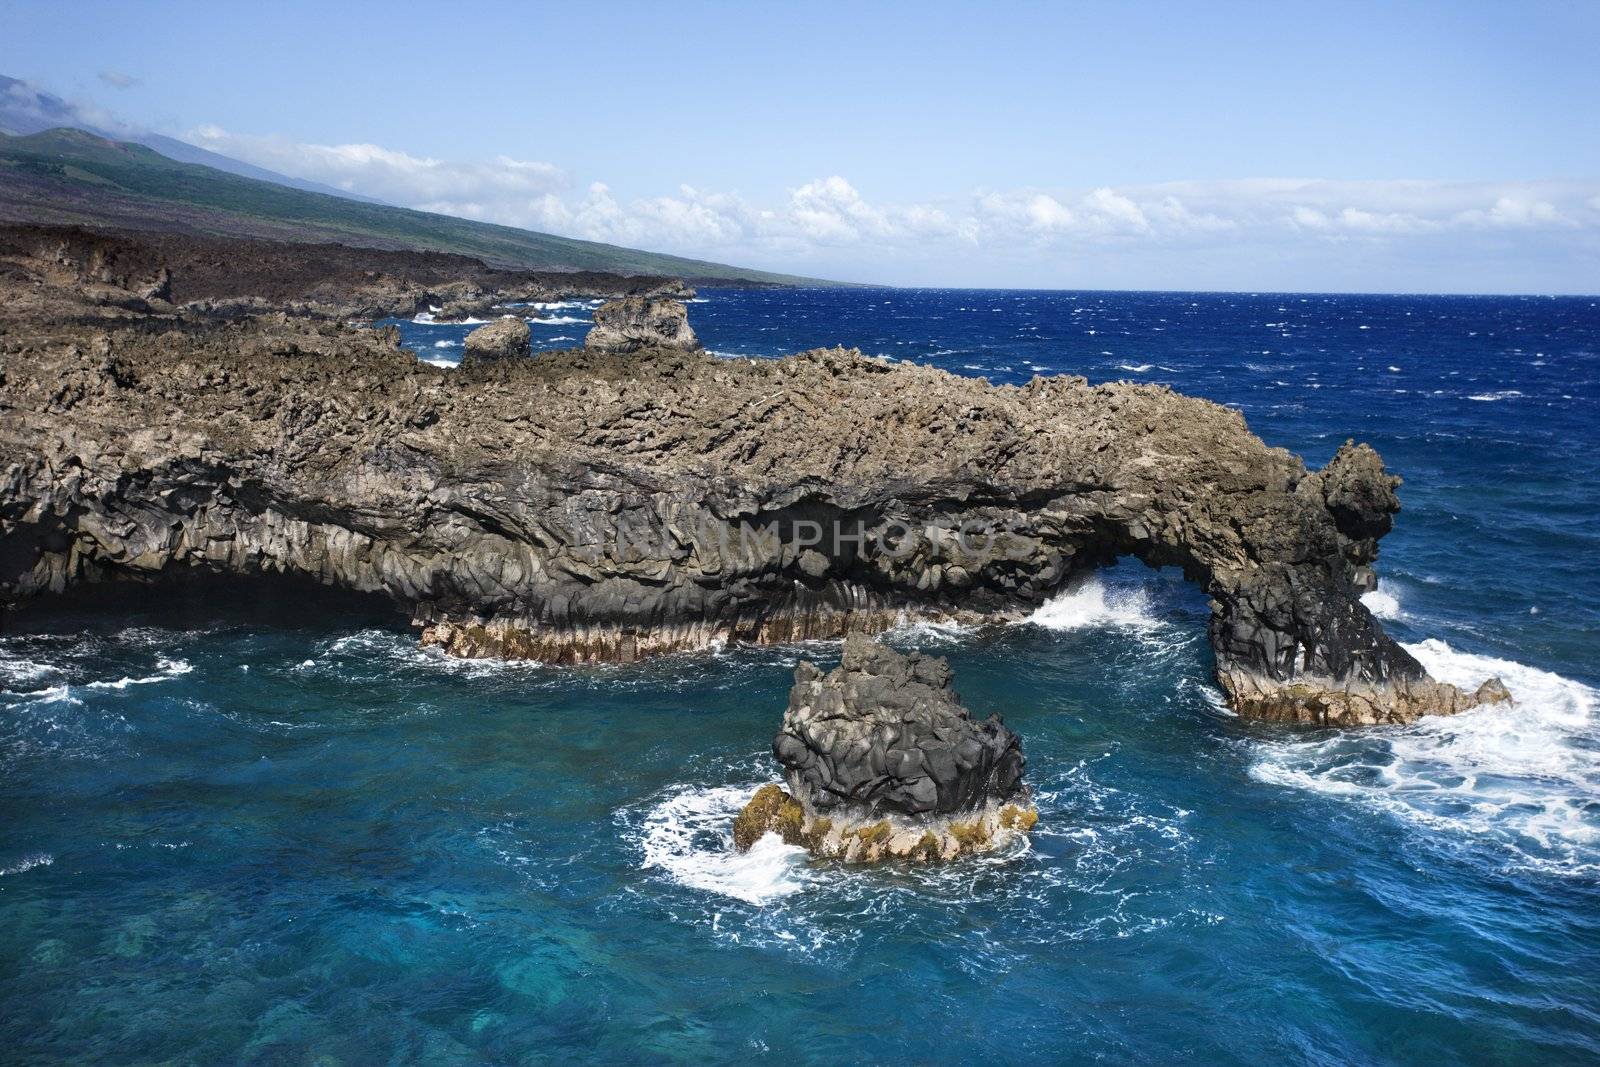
[[1089, 603], [688, 836], [1523, 778], [1383, 602], [28, 863]]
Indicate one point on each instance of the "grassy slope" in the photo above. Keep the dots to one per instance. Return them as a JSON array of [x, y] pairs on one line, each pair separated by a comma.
[[75, 177]]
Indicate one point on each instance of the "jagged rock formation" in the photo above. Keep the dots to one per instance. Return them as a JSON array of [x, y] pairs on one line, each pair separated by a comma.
[[882, 761], [590, 505], [632, 323], [886, 733], [506, 338]]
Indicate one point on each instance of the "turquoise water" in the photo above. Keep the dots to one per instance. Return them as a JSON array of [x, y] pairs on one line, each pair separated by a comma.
[[262, 826]]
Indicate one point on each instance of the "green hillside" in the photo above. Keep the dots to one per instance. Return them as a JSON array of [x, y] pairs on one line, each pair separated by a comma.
[[69, 176]]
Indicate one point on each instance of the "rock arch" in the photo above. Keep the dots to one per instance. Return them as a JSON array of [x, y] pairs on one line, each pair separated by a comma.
[[578, 506]]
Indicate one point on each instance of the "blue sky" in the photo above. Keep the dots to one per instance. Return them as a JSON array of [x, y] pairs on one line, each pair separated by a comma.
[[1413, 147]]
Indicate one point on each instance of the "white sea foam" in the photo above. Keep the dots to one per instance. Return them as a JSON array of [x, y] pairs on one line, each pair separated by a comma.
[[557, 305], [558, 320], [424, 318], [448, 364], [446, 344], [55, 694], [28, 863], [1136, 368], [1383, 602], [1089, 603], [15, 669], [688, 836], [932, 631], [1523, 778], [166, 670], [1504, 394]]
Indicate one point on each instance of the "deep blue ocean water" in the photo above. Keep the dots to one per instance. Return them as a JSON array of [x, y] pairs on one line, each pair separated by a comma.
[[264, 827]]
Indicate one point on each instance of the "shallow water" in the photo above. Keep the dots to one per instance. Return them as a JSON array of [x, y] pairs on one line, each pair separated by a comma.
[[276, 830]]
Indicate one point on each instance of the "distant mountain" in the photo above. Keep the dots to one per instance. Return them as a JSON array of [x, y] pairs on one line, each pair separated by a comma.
[[24, 110], [74, 177]]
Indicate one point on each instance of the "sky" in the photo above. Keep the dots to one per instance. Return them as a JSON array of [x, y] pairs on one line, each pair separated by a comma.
[[1396, 147]]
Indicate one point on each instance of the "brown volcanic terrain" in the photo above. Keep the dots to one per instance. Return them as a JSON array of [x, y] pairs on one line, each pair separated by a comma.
[[590, 506]]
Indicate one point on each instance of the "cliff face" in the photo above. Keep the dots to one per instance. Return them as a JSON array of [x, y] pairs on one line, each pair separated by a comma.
[[589, 506]]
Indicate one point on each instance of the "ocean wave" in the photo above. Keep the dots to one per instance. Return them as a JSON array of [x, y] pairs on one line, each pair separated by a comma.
[[557, 305], [447, 344], [688, 836], [558, 320], [1522, 778], [16, 669], [1383, 602], [55, 694], [1136, 368], [28, 863], [447, 364], [166, 670], [922, 632], [1089, 603], [1504, 394]]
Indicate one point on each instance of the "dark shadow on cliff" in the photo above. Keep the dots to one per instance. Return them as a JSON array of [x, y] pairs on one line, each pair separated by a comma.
[[205, 602]]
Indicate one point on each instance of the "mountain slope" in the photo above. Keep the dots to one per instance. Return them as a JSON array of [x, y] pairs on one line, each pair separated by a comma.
[[70, 176], [25, 110]]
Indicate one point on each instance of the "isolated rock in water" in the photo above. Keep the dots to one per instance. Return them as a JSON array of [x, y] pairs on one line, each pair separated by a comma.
[[506, 338], [636, 322], [882, 761], [887, 733]]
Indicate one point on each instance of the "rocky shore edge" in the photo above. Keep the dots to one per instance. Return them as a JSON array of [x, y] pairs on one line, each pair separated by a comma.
[[638, 495]]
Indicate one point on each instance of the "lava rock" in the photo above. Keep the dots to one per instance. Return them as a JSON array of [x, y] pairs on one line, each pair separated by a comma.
[[507, 338], [886, 733], [599, 505], [636, 322]]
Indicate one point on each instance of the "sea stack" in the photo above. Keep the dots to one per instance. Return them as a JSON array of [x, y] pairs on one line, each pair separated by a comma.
[[636, 322], [882, 761]]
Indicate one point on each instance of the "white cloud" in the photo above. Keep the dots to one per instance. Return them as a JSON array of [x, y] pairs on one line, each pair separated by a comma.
[[1515, 210], [119, 80], [827, 224], [490, 188]]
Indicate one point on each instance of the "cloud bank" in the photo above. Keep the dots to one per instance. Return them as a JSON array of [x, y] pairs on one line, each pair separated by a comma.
[[1249, 233]]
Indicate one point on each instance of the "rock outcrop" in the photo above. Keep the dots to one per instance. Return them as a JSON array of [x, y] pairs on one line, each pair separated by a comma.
[[219, 277], [633, 323], [506, 338], [599, 506], [882, 761], [886, 733]]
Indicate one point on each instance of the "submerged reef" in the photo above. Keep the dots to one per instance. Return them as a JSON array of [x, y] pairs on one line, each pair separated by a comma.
[[883, 762], [601, 505]]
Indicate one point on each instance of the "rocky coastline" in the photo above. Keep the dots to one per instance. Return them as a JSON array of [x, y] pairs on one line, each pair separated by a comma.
[[616, 501]]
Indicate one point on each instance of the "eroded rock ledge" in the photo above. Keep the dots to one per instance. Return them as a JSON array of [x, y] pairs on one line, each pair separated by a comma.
[[587, 506], [883, 762]]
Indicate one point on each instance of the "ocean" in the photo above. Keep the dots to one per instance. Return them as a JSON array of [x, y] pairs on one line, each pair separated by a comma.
[[265, 827]]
